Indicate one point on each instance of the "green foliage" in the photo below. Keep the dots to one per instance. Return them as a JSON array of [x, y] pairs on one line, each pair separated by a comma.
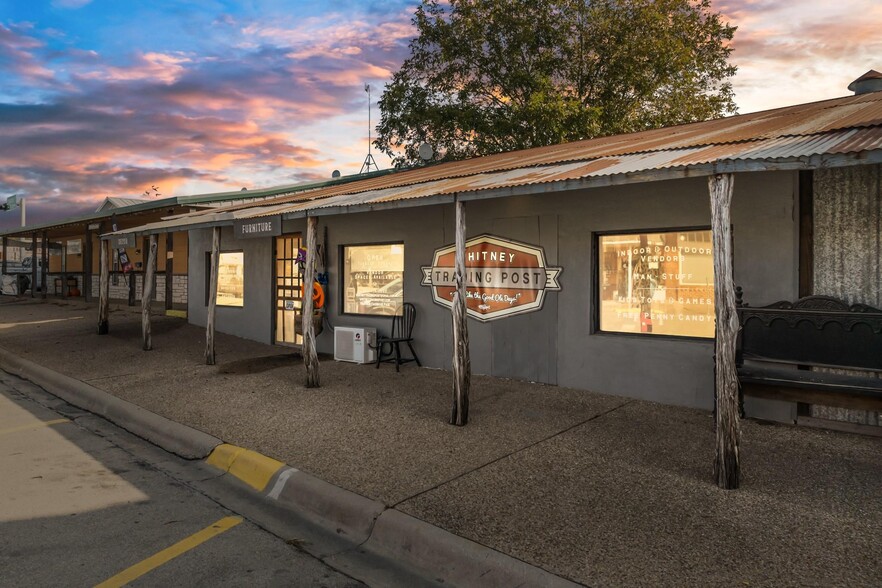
[[486, 76]]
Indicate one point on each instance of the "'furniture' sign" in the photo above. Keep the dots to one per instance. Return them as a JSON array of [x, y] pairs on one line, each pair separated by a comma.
[[502, 277], [265, 226]]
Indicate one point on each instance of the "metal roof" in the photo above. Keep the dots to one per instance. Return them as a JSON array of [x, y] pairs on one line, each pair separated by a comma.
[[842, 131], [119, 202], [196, 200]]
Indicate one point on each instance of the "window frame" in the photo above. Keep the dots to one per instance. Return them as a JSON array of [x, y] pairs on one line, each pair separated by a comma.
[[342, 278], [208, 277], [595, 286]]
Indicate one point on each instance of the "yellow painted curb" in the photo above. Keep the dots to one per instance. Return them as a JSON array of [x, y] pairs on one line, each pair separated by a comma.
[[251, 467], [177, 313]]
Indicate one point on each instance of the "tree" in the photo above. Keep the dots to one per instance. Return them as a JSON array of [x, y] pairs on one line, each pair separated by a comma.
[[486, 76]]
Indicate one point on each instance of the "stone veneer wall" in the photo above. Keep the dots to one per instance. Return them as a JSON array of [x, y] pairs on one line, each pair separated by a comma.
[[121, 290], [848, 249]]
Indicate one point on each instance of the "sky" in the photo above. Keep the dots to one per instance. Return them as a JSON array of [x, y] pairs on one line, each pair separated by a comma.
[[107, 98]]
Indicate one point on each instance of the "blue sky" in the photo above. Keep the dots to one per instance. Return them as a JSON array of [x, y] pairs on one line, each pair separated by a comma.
[[108, 98]]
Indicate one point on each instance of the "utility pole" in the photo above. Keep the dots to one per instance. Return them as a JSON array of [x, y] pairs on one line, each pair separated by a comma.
[[369, 160]]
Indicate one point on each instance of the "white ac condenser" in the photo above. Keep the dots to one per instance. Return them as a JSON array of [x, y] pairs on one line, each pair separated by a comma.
[[355, 344]]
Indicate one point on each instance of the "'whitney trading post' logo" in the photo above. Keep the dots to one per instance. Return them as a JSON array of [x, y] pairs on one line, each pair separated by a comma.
[[502, 277]]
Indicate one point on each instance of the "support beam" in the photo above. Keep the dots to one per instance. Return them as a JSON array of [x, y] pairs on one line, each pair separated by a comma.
[[87, 266], [3, 270], [104, 288], [130, 275], [45, 270], [147, 295], [462, 369], [212, 296], [310, 356], [169, 269], [727, 425], [145, 260], [35, 263], [63, 268]]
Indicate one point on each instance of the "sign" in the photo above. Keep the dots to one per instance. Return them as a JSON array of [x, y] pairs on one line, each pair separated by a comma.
[[503, 277], [75, 247], [268, 226], [122, 241]]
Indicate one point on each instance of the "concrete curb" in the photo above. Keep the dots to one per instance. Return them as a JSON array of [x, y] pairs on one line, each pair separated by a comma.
[[443, 556], [174, 437], [346, 513], [424, 549], [369, 528]]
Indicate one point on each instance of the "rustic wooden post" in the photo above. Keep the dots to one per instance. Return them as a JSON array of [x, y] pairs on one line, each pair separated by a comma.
[[728, 428], [131, 282], [3, 271], [87, 266], [35, 263], [169, 269], [104, 288], [44, 272], [310, 356], [147, 295], [462, 369], [212, 296], [63, 267]]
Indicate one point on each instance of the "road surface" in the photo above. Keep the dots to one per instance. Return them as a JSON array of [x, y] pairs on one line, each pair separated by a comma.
[[83, 503]]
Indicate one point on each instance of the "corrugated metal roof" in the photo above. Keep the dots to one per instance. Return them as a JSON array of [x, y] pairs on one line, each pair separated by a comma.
[[850, 125], [201, 200]]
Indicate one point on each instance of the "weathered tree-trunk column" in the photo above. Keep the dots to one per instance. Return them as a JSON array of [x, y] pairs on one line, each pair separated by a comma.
[[147, 295], [212, 296], [728, 428], [104, 288], [310, 355], [169, 269], [44, 254], [34, 265], [87, 266], [3, 271], [462, 368]]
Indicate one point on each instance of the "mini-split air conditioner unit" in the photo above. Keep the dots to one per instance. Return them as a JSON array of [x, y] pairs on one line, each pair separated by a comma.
[[354, 344]]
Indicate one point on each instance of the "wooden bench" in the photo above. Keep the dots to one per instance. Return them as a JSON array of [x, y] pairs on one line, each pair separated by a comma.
[[779, 344]]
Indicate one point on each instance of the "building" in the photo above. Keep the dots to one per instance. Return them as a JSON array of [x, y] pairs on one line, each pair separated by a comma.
[[60, 258], [589, 263]]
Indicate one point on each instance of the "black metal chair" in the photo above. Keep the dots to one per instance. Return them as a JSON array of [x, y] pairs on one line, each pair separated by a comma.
[[402, 327]]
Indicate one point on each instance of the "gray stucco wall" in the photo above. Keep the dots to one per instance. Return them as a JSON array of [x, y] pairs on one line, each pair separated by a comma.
[[556, 345], [254, 320]]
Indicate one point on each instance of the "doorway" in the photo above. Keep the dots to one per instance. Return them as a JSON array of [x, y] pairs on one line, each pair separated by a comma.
[[288, 284]]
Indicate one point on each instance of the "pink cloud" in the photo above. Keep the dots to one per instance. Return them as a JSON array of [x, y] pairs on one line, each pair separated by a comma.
[[17, 49]]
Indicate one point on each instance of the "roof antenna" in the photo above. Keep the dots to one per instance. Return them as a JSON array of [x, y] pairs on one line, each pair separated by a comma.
[[369, 160]]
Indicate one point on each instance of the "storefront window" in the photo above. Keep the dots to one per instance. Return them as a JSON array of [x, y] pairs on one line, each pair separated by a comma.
[[231, 279], [657, 283], [373, 278]]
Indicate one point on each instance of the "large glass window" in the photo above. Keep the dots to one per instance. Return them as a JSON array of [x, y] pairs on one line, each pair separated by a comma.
[[373, 278], [231, 279], [660, 283]]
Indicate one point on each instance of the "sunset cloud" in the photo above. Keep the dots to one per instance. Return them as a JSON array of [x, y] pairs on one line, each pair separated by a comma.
[[789, 53], [111, 125]]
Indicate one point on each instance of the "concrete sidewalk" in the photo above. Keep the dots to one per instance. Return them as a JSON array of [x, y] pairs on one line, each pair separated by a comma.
[[598, 489]]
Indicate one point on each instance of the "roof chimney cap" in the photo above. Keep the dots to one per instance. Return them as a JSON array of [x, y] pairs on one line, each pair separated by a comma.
[[869, 82]]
